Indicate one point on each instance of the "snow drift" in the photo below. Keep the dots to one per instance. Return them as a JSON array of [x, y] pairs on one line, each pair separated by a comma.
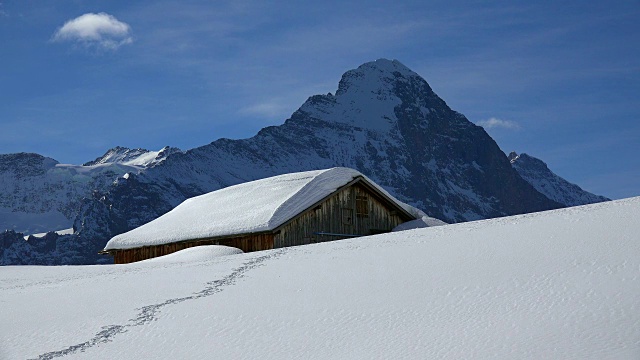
[[561, 284], [195, 254]]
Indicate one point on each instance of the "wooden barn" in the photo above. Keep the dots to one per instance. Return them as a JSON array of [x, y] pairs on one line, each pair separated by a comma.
[[285, 210]]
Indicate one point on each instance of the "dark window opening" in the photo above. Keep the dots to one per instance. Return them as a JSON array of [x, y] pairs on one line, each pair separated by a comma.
[[362, 206]]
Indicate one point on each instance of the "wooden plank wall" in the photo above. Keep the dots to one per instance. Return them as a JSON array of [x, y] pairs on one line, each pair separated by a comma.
[[254, 242], [338, 215]]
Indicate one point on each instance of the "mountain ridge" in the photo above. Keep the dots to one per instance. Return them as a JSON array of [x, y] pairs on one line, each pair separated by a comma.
[[134, 157], [537, 173]]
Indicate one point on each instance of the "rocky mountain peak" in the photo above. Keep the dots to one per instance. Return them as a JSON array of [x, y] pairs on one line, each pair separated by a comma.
[[117, 154], [537, 173], [530, 160], [25, 164], [376, 76], [133, 157], [513, 157], [386, 121], [372, 96]]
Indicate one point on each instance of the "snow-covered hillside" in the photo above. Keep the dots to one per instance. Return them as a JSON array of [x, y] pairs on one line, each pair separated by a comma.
[[562, 284]]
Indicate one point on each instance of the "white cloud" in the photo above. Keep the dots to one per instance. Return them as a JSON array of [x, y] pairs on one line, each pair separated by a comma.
[[492, 123], [266, 109], [101, 30]]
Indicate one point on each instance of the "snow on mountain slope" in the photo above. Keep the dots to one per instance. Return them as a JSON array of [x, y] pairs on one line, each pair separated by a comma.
[[134, 157], [59, 232], [536, 173], [560, 284]]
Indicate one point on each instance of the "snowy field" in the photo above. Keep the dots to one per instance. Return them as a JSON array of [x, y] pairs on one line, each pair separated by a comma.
[[561, 284]]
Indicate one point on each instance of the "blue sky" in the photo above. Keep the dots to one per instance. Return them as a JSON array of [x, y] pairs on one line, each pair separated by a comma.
[[557, 80]]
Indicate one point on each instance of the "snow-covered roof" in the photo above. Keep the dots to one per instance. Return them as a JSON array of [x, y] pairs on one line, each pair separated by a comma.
[[256, 206]]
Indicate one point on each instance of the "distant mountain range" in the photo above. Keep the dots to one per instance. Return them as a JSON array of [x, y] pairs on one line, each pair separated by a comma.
[[384, 120]]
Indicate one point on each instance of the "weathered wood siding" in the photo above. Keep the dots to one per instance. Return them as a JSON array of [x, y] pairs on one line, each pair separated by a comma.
[[352, 211], [254, 242]]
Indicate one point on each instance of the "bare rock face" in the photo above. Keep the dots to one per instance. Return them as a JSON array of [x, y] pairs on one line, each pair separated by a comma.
[[384, 120]]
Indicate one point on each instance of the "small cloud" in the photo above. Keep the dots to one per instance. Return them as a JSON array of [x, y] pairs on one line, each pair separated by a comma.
[[102, 31], [266, 109], [493, 123]]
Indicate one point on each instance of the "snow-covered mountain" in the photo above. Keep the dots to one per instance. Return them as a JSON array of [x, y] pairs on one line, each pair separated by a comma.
[[559, 284], [384, 120], [536, 173], [38, 194]]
